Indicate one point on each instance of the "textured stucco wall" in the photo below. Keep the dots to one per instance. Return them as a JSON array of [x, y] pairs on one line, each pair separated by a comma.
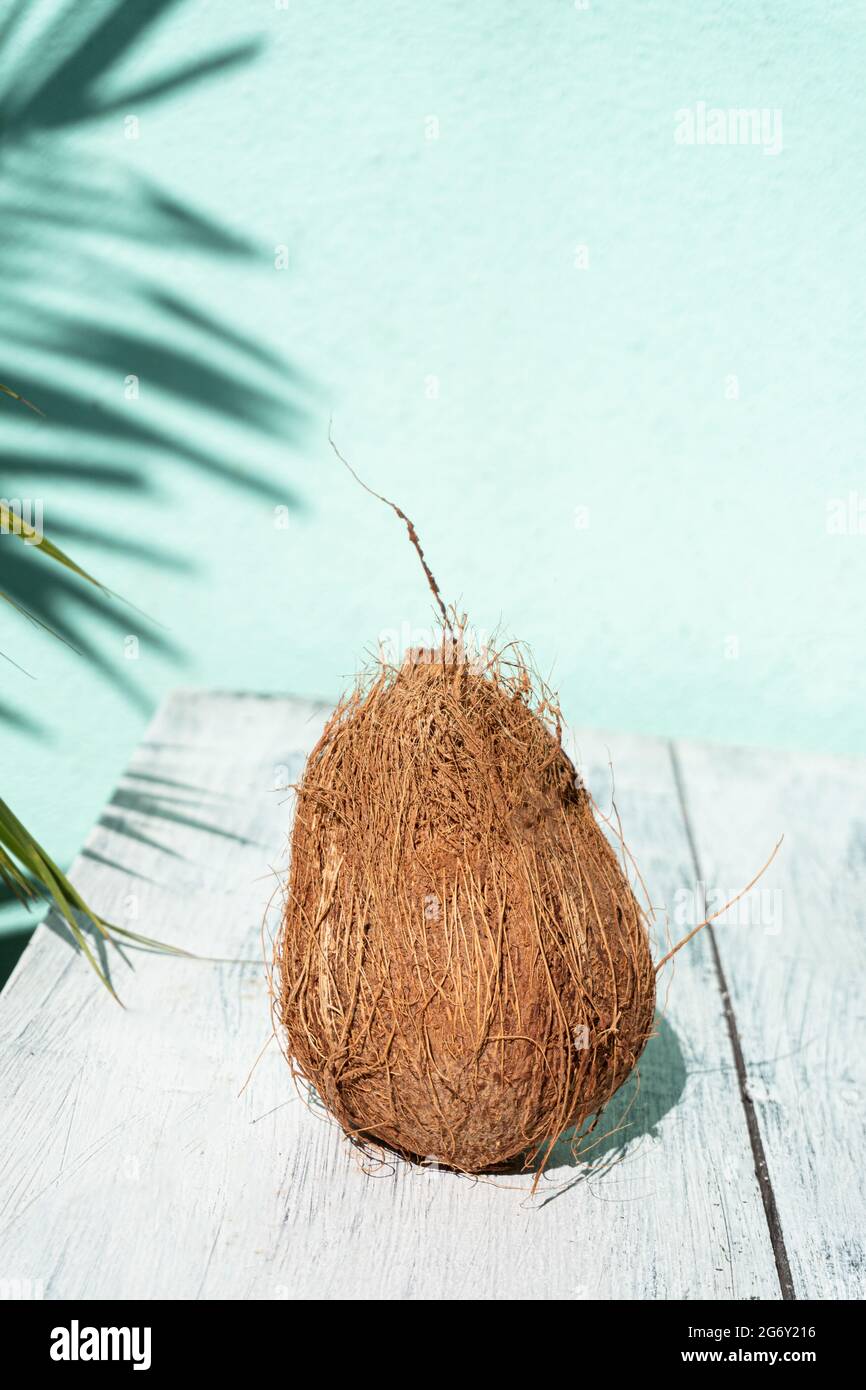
[[435, 299]]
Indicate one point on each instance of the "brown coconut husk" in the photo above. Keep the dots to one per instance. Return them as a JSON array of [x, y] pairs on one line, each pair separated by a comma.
[[463, 969]]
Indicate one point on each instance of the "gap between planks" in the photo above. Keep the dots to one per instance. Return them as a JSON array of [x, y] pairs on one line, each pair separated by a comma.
[[768, 1196]]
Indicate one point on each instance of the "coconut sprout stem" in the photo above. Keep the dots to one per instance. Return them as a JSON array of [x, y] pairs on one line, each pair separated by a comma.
[[707, 920], [413, 534]]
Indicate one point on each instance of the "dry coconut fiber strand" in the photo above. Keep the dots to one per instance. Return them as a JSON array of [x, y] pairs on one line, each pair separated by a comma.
[[462, 971]]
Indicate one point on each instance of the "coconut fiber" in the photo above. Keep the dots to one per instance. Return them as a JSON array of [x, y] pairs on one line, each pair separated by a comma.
[[462, 970]]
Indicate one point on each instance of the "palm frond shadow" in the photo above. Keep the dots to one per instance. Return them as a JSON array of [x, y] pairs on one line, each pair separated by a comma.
[[68, 532], [60, 601], [96, 943], [81, 317], [22, 721], [146, 815], [107, 863], [164, 807]]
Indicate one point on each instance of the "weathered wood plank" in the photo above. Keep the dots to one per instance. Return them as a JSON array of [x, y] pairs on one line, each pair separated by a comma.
[[133, 1168], [793, 956]]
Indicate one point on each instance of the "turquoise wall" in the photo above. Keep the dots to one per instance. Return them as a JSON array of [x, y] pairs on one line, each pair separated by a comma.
[[614, 378]]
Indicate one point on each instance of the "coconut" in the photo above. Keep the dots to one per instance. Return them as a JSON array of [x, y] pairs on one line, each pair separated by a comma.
[[463, 970]]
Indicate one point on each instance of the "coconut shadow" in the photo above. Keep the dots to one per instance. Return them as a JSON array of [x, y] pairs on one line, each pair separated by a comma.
[[634, 1112]]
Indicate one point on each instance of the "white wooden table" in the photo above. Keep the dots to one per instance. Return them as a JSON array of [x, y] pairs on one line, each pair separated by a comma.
[[131, 1167]]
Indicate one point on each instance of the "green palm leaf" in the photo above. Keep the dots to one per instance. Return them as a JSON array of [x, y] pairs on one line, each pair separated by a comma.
[[7, 391], [14, 525], [25, 868], [52, 883]]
